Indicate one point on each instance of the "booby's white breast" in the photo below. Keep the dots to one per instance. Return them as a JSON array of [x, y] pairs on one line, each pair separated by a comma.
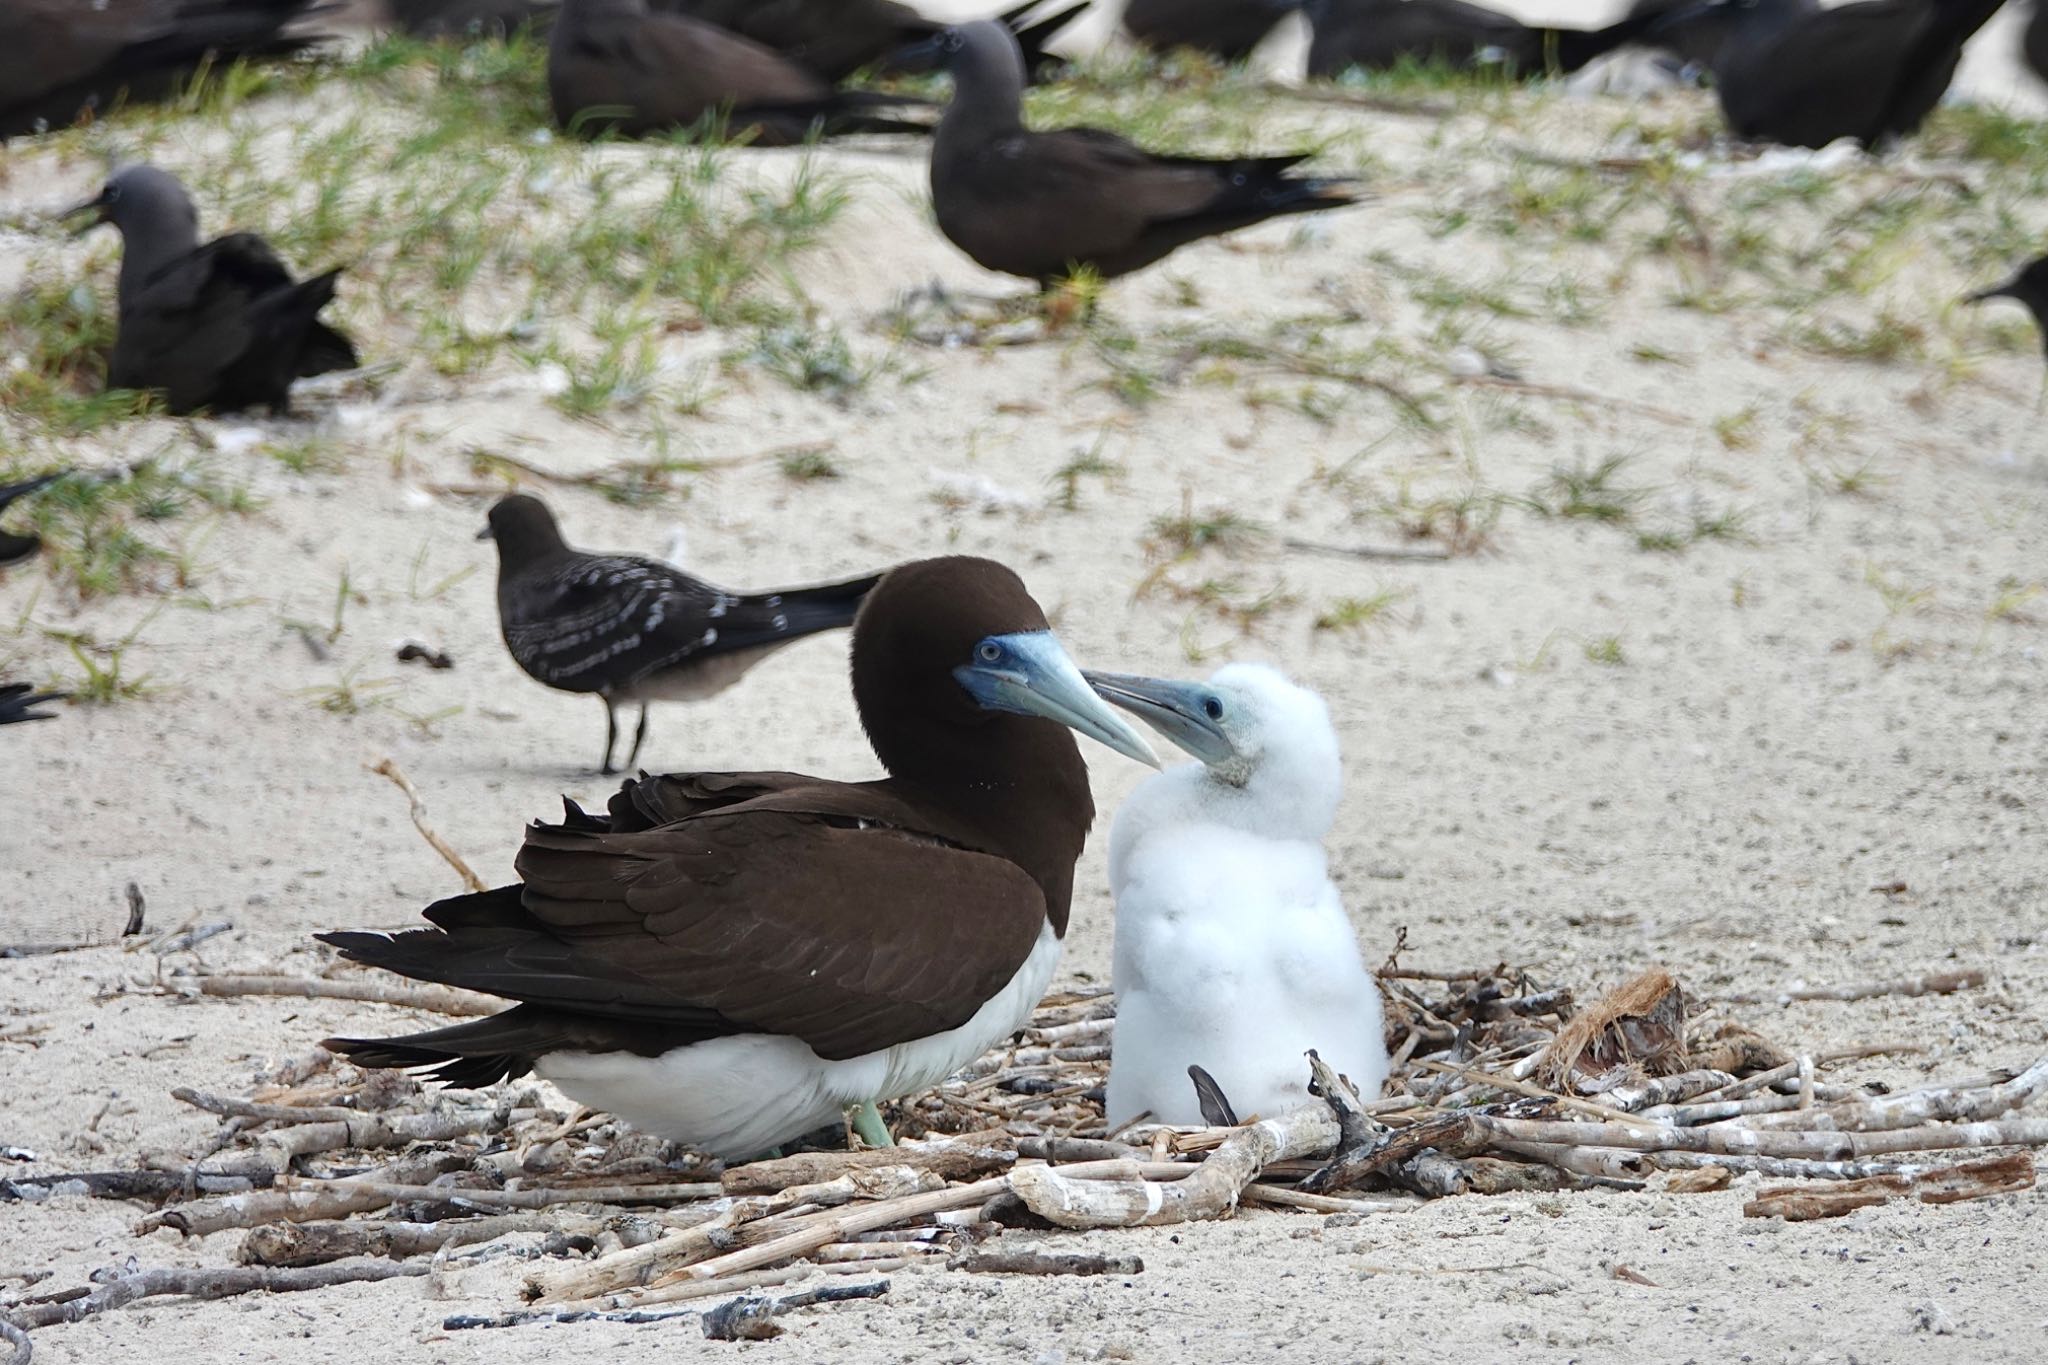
[[1233, 953], [736, 1097]]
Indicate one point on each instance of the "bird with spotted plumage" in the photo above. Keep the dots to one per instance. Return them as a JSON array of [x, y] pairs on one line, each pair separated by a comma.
[[628, 629]]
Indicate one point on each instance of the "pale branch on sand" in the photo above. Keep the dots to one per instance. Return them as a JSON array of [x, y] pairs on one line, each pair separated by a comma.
[[1979, 1179], [1000, 1262], [301, 1244], [432, 999], [386, 768], [19, 1352], [1741, 1141], [208, 1283], [1931, 983], [1061, 1196], [1938, 1104]]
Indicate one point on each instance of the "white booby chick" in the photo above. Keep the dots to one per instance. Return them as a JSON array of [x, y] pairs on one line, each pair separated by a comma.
[[1233, 950]]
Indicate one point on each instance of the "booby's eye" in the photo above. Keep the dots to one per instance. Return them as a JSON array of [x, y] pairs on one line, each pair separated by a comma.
[[1212, 707], [989, 652]]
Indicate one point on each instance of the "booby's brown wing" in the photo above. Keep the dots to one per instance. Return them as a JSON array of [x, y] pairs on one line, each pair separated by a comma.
[[829, 912]]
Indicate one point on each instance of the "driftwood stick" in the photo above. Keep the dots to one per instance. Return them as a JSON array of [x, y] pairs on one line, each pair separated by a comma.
[[19, 1351], [1607, 1162], [1000, 1262], [1943, 1185], [685, 1290], [753, 1319], [1932, 983], [1282, 1196], [1935, 1104], [965, 1157], [386, 768], [1060, 1196], [125, 1185], [1741, 1141], [212, 1283], [432, 999], [1633, 1096], [298, 1244]]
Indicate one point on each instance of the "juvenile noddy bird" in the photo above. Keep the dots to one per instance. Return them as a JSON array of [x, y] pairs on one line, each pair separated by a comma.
[[1227, 30], [15, 548], [221, 326], [1233, 952], [638, 630], [1870, 70], [615, 65], [1377, 35], [17, 699], [1041, 204], [2029, 287], [65, 61], [730, 960]]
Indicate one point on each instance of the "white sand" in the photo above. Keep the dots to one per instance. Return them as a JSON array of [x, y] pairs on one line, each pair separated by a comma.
[[1724, 801]]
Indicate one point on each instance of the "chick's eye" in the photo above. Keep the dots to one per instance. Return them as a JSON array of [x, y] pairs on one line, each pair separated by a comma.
[[989, 652], [1212, 707]]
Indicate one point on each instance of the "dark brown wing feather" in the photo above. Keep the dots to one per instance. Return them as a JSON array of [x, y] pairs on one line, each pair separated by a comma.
[[757, 916]]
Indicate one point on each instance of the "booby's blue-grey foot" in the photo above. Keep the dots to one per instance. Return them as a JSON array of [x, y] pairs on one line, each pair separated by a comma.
[[868, 1125]]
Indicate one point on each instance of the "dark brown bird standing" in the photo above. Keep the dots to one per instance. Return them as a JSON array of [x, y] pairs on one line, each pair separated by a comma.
[[1041, 204], [614, 65], [221, 326], [1225, 29], [63, 61], [731, 959], [2029, 288], [636, 630], [1377, 35]]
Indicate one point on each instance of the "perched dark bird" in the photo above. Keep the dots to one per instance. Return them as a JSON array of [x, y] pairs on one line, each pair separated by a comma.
[[2029, 287], [637, 630], [1869, 70], [64, 61], [1041, 204], [1377, 35], [613, 65], [16, 699], [221, 326], [469, 18], [15, 548], [835, 38], [1225, 29], [2034, 40], [731, 959]]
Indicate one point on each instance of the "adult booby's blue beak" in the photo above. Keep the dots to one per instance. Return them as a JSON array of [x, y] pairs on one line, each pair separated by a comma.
[[1029, 674], [1185, 712]]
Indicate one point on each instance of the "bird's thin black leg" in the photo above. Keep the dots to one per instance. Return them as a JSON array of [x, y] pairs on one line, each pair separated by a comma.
[[611, 735], [639, 737]]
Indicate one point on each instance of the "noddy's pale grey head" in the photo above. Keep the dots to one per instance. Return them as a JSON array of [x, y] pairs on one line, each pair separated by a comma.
[[988, 70], [151, 211]]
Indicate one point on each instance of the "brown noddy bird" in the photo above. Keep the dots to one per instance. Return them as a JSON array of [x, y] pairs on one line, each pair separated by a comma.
[[1871, 70], [17, 699], [731, 959], [1041, 204], [637, 630], [63, 61], [221, 326], [2029, 288], [615, 65], [1225, 29], [16, 548], [1377, 35]]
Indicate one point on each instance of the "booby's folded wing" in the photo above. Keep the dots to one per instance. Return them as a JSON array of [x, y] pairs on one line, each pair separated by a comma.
[[840, 929]]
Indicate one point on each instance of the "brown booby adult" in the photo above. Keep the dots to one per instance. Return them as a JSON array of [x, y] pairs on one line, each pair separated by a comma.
[[637, 630], [1377, 35], [15, 548], [617, 66], [64, 61], [222, 326], [1227, 30], [16, 699], [732, 959], [1042, 204]]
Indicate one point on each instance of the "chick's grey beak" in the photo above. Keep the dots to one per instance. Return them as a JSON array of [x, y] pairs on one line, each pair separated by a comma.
[[95, 207], [1178, 710], [2003, 291], [486, 534], [1034, 677]]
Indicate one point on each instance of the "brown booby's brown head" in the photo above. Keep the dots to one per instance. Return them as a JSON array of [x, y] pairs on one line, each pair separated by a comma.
[[961, 683]]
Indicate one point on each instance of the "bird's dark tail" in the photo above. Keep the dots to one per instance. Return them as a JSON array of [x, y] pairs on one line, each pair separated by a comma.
[[828, 607], [1032, 37], [1568, 49], [1928, 65], [16, 699], [321, 348]]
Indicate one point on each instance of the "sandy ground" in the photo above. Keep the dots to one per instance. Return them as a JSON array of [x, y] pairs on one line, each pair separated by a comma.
[[1563, 752]]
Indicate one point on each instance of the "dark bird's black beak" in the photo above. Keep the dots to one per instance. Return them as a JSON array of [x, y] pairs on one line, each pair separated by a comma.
[[96, 206], [2008, 290], [920, 58], [486, 534]]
